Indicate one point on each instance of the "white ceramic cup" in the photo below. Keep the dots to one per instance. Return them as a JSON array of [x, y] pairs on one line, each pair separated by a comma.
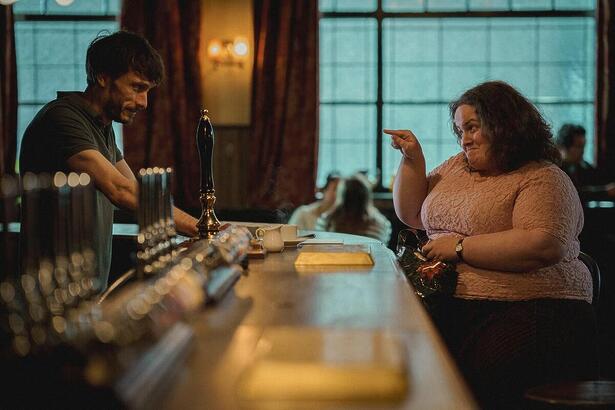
[[289, 232], [272, 238]]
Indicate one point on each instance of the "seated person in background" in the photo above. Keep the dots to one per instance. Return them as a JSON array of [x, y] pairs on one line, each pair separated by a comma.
[[355, 213], [510, 218], [591, 183], [305, 216]]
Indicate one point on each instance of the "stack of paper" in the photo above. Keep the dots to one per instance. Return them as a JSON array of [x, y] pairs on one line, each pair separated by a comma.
[[349, 255]]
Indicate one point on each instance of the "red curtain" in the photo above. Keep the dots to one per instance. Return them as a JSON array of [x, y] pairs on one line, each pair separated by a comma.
[[605, 86], [165, 134], [8, 92], [282, 167]]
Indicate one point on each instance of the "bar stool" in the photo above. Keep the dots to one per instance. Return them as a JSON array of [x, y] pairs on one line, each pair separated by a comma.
[[593, 394], [590, 394]]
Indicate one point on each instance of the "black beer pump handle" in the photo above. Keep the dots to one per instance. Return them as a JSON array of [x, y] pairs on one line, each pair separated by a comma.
[[205, 144]]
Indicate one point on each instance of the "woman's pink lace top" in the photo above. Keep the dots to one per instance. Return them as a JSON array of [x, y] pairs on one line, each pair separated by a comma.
[[538, 196]]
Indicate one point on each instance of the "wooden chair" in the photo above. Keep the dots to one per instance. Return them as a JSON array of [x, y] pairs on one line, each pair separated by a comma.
[[592, 394], [594, 269]]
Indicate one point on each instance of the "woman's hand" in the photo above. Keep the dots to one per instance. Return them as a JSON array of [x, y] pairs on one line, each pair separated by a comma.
[[442, 249], [406, 142]]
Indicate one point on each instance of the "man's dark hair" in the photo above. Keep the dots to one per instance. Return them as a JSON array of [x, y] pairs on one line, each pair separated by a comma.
[[517, 131], [567, 132], [118, 53]]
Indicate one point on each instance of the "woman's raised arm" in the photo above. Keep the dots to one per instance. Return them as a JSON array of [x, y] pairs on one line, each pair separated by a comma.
[[410, 186]]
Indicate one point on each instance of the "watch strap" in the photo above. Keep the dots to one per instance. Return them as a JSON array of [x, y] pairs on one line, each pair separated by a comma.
[[459, 248]]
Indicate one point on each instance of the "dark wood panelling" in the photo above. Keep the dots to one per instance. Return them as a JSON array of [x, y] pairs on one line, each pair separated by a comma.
[[231, 150]]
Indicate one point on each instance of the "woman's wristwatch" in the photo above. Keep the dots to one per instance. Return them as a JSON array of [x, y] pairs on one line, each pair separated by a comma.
[[459, 249]]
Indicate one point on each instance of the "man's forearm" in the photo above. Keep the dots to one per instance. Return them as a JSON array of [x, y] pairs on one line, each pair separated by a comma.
[[185, 223]]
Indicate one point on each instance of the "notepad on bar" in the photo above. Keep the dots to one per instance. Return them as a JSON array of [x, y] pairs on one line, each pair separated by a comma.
[[314, 364], [349, 255]]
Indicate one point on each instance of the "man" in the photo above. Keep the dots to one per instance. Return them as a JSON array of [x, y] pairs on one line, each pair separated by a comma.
[[74, 132], [305, 216], [590, 183]]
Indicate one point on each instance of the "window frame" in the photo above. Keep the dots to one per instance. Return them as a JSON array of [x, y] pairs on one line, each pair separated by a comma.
[[45, 16], [380, 15]]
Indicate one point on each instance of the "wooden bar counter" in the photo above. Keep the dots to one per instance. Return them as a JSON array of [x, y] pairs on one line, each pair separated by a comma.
[[276, 295]]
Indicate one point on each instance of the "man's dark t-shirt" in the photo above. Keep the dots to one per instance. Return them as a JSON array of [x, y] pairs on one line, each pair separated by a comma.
[[61, 129]]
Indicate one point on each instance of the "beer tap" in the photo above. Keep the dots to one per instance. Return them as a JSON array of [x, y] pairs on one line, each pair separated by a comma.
[[208, 225]]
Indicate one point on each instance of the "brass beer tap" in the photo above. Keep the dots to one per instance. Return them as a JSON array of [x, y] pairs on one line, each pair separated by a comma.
[[208, 225]]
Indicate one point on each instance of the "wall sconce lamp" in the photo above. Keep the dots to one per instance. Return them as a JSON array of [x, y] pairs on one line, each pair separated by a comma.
[[227, 52]]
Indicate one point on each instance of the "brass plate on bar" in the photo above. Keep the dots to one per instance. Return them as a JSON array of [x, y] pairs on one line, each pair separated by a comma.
[[332, 364], [346, 255]]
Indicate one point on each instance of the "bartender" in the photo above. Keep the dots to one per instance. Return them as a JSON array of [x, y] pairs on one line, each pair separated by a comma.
[[73, 133]]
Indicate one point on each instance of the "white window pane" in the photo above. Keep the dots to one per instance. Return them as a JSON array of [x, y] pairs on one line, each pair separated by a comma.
[[77, 7], [446, 5], [591, 133], [557, 115], [575, 5], [347, 5], [114, 7], [55, 44], [347, 142], [355, 84], [86, 31], [582, 114], [118, 129], [348, 83], [465, 40], [458, 78], [50, 80], [28, 6], [431, 151], [345, 157], [26, 90], [489, 5], [422, 119], [403, 5], [411, 83], [531, 4], [411, 40], [353, 40], [348, 60], [327, 83], [557, 81], [513, 40], [24, 43], [563, 40], [520, 76]]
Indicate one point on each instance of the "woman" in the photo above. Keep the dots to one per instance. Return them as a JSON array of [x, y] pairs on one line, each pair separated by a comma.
[[509, 218], [305, 216], [355, 213]]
